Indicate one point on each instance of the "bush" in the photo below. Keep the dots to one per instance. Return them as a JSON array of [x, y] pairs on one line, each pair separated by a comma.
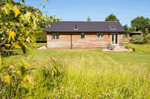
[[125, 40], [133, 49], [40, 36], [148, 36], [138, 39], [121, 44], [48, 77], [15, 81], [128, 46]]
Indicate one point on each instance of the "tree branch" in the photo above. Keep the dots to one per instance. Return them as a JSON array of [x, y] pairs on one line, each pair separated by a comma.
[[4, 41]]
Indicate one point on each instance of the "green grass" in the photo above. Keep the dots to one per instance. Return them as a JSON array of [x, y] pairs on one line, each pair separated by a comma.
[[142, 48], [39, 44], [91, 73]]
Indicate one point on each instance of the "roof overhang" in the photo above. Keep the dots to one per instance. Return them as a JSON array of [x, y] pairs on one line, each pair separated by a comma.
[[85, 31]]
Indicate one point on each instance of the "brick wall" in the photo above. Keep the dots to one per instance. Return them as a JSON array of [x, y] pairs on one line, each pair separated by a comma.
[[90, 40]]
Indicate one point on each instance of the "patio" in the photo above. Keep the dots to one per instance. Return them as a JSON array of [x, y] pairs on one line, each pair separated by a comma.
[[117, 49]]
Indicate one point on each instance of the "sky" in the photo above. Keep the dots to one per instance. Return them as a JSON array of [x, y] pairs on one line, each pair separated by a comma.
[[97, 10]]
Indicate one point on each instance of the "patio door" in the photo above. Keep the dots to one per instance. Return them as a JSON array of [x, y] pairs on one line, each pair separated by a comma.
[[114, 38]]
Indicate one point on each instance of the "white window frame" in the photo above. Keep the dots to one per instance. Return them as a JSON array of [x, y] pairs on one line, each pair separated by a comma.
[[100, 35], [112, 28], [55, 36]]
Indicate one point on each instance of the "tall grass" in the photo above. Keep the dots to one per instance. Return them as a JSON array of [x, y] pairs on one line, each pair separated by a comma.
[[90, 73], [116, 82], [105, 82]]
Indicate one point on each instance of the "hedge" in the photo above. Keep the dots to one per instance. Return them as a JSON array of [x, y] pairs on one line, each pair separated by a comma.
[[40, 36], [138, 39]]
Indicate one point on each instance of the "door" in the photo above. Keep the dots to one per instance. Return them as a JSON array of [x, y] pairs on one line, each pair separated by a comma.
[[114, 38]]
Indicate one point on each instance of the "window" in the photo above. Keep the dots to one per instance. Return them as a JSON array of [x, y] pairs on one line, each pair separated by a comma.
[[75, 27], [55, 35], [82, 35], [100, 35], [112, 27]]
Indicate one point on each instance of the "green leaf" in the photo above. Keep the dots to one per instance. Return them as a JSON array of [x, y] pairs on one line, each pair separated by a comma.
[[7, 7]]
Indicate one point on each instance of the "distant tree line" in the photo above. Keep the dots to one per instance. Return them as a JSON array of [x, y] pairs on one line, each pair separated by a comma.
[[139, 23]]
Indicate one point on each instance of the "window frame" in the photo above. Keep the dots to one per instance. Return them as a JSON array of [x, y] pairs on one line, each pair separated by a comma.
[[56, 36], [100, 37], [112, 28], [82, 35]]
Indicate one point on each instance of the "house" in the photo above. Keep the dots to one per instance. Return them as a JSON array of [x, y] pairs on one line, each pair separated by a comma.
[[131, 33], [80, 34]]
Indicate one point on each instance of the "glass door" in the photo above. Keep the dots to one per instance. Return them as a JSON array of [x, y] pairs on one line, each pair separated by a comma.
[[114, 38]]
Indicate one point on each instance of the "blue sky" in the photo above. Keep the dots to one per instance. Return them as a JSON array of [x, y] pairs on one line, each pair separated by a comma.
[[97, 10]]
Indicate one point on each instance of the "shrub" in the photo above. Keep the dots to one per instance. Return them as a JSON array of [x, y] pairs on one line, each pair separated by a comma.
[[148, 36], [15, 81], [47, 77], [133, 49], [127, 46], [40, 36], [138, 39], [125, 40], [121, 44]]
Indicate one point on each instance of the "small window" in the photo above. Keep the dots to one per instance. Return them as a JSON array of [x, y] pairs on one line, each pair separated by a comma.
[[82, 35], [75, 27], [55, 35], [100, 35], [112, 27]]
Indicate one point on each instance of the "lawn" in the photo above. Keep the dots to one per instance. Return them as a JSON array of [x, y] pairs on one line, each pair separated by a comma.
[[39, 44], [92, 73]]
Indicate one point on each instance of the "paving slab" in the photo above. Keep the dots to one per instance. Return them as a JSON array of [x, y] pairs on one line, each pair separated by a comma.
[[42, 47]]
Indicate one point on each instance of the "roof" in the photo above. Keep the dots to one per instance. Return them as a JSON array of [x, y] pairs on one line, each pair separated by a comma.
[[136, 32], [85, 26]]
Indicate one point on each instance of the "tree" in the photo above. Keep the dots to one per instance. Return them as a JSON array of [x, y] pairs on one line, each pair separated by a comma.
[[132, 29], [17, 24], [125, 27], [111, 17], [88, 19], [140, 23], [146, 31]]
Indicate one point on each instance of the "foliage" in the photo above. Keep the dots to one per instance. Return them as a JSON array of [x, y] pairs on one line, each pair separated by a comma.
[[111, 17], [140, 23], [104, 75], [148, 36], [121, 44], [142, 48], [146, 31], [47, 77], [125, 27], [110, 47], [16, 82], [138, 39], [88, 19], [40, 36], [133, 49], [132, 29], [17, 24], [127, 46], [125, 40]]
